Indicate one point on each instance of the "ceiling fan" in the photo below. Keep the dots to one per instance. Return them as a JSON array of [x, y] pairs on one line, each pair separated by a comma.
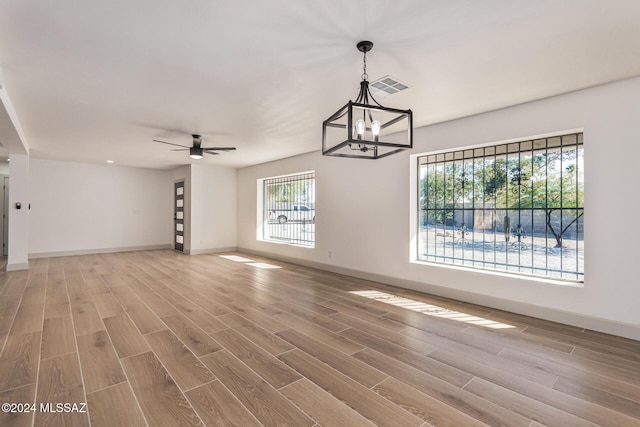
[[196, 151]]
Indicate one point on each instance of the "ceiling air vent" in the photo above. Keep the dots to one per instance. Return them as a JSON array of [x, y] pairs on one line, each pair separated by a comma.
[[387, 85]]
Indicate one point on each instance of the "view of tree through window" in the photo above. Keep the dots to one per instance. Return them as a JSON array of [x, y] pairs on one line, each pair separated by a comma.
[[516, 207], [290, 209]]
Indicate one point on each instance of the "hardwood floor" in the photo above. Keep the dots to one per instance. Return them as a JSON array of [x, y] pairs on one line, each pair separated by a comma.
[[159, 338]]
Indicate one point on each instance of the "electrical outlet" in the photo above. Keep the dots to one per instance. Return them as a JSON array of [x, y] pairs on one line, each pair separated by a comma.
[[330, 254]]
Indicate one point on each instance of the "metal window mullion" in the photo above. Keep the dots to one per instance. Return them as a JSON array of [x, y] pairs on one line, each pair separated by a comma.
[[441, 207], [453, 209], [432, 245], [484, 204], [279, 188], [533, 224], [546, 201], [561, 203], [428, 244], [444, 205], [426, 208], [463, 213], [277, 195], [444, 224], [473, 210], [519, 202], [437, 209], [577, 204], [453, 206], [495, 203], [506, 202], [420, 205], [297, 237]]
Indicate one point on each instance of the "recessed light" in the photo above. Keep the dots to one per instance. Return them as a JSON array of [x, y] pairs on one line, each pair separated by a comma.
[[109, 161]]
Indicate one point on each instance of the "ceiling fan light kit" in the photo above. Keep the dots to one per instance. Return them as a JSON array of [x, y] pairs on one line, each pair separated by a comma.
[[365, 129], [197, 151]]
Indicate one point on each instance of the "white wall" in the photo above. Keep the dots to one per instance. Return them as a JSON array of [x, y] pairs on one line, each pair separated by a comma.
[[213, 208], [18, 258], [78, 207], [363, 213]]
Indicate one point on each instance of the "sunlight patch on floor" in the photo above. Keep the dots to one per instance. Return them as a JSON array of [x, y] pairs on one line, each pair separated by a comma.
[[250, 262], [236, 258], [431, 310], [263, 265]]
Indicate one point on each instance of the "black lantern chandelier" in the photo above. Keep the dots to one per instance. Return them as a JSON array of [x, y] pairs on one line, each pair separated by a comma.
[[365, 129]]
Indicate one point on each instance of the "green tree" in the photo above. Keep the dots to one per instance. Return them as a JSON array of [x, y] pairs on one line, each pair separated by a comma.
[[290, 192], [441, 192], [547, 180]]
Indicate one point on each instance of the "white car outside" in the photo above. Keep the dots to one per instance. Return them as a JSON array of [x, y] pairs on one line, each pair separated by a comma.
[[297, 213]]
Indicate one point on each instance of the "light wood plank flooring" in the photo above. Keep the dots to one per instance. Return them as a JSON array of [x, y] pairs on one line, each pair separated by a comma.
[[158, 338]]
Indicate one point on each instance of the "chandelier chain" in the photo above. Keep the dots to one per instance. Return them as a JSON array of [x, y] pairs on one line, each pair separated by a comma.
[[364, 76]]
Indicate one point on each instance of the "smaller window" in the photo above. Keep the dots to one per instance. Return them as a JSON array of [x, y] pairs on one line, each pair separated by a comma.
[[289, 205]]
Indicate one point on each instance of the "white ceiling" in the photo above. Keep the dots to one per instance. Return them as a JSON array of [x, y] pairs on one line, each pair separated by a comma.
[[95, 80]]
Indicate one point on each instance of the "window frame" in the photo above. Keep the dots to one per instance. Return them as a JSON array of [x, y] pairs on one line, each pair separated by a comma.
[[301, 228], [417, 238]]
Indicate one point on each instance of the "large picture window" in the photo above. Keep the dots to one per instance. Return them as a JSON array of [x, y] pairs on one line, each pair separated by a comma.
[[289, 209], [516, 207]]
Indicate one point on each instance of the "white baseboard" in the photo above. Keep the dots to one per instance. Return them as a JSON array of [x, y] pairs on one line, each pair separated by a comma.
[[211, 250], [18, 266], [625, 330], [97, 251]]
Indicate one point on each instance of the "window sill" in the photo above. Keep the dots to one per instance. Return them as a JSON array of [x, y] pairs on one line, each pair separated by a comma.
[[537, 279], [276, 242]]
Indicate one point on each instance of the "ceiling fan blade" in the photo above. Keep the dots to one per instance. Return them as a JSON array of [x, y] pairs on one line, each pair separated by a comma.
[[170, 143], [211, 153], [181, 149], [219, 148]]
